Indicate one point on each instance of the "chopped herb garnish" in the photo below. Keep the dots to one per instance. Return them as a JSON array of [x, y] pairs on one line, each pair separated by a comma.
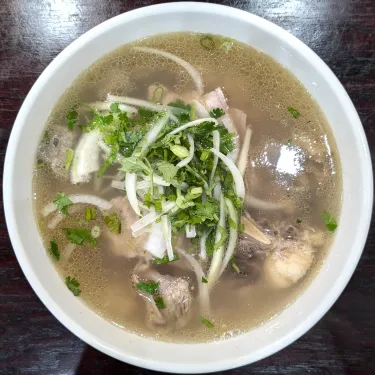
[[73, 285], [234, 265], [294, 112], [148, 287], [68, 158], [168, 170], [330, 221], [165, 259], [62, 203], [207, 42], [289, 143], [223, 238], [206, 322], [180, 151], [40, 164], [113, 223], [133, 164], [232, 224], [217, 112], [298, 221], [159, 302], [79, 236], [90, 213], [54, 249], [158, 93], [115, 108], [72, 118], [204, 280]]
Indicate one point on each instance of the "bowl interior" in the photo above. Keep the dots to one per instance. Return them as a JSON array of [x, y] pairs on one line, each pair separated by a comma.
[[356, 171]]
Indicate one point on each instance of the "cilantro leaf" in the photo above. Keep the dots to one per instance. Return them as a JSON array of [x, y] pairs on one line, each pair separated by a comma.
[[168, 170], [72, 118], [114, 108], [133, 164], [159, 302], [73, 285], [113, 223], [79, 236], [217, 112], [148, 287], [165, 259], [298, 221], [294, 112], [330, 221], [204, 280], [206, 322], [54, 249], [62, 203], [179, 103]]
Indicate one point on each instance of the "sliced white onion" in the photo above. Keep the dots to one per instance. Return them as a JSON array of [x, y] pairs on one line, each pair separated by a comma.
[[216, 142], [233, 234], [188, 159], [193, 123], [143, 185], [48, 209], [151, 217], [190, 231], [237, 178], [157, 180], [144, 104], [67, 251], [131, 191], [203, 295], [202, 245], [200, 109], [91, 199], [105, 106], [152, 134], [52, 224], [261, 204], [239, 120], [155, 243], [86, 157], [242, 160], [167, 232], [217, 258], [228, 123], [194, 74]]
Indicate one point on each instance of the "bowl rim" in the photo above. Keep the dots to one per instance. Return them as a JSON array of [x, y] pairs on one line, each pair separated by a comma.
[[32, 278]]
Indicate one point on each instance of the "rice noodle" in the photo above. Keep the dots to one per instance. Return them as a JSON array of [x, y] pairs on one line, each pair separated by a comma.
[[193, 123], [242, 161], [188, 159], [67, 251], [261, 204], [145, 104], [203, 292], [52, 224], [194, 74], [167, 232], [237, 177]]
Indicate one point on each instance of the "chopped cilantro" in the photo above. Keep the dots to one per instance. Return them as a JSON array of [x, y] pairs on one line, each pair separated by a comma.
[[54, 249], [159, 302], [168, 170], [148, 287], [232, 224], [206, 322], [79, 236], [115, 108], [234, 265], [204, 280], [294, 112], [113, 223], [330, 221], [90, 213], [289, 143], [298, 221], [133, 164], [216, 113], [72, 118], [62, 203], [180, 151], [73, 285], [165, 259]]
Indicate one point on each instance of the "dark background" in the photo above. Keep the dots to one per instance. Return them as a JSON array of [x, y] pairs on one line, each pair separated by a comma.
[[33, 32]]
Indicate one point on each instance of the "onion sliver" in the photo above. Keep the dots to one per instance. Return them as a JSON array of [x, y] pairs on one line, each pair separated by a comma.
[[233, 234], [193, 123], [131, 191], [237, 178], [216, 142], [188, 159], [194, 74], [242, 160]]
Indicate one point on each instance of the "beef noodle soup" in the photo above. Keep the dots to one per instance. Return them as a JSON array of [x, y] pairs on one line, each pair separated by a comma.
[[187, 187]]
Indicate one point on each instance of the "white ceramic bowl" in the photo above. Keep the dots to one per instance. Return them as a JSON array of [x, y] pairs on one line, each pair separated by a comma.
[[356, 172]]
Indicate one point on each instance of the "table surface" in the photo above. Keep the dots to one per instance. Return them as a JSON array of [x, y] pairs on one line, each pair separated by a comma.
[[33, 32]]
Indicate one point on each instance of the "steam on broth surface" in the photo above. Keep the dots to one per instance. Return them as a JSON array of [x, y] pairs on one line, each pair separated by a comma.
[[237, 210]]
